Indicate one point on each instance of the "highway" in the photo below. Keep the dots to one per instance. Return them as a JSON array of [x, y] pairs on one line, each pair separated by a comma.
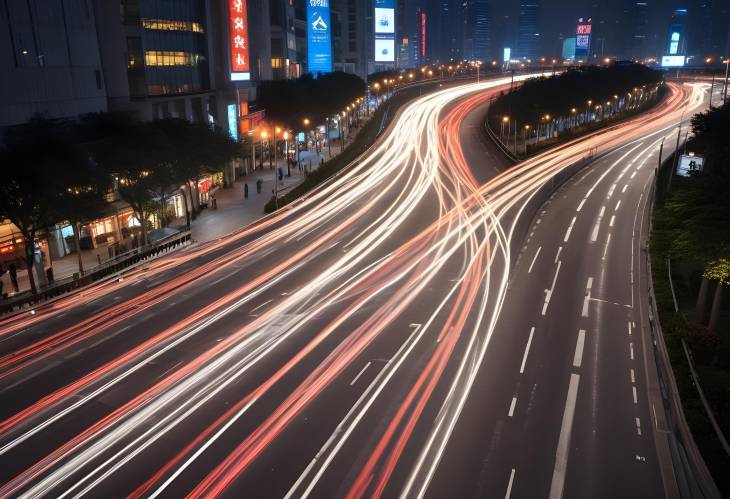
[[417, 326]]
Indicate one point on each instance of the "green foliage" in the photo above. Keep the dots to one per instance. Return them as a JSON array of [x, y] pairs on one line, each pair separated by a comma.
[[556, 95], [718, 270], [288, 102]]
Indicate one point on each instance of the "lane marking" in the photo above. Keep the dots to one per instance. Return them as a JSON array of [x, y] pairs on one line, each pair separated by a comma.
[[561, 456], [509, 484], [629, 328], [580, 206], [354, 380], [578, 356], [587, 298], [512, 407], [636, 400], [527, 350], [633, 377], [626, 186], [605, 247], [613, 219], [549, 292], [631, 350], [618, 203], [567, 233], [557, 255], [534, 258], [638, 426]]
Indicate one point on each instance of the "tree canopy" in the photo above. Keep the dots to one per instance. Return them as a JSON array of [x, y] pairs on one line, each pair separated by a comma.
[[290, 101]]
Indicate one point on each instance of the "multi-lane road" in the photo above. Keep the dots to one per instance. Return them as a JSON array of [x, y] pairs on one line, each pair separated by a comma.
[[421, 325]]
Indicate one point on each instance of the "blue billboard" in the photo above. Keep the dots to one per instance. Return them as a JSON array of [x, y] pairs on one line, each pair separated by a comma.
[[319, 39]]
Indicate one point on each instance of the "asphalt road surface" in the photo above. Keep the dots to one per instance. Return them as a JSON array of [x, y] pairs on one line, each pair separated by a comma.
[[419, 325]]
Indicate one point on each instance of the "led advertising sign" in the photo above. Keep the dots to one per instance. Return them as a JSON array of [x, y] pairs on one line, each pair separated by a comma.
[[384, 20], [689, 166], [384, 30], [238, 40], [384, 50], [423, 35], [583, 37], [319, 39], [672, 61], [506, 54], [232, 122]]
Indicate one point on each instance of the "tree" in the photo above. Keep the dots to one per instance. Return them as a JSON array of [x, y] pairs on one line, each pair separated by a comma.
[[718, 270], [35, 161]]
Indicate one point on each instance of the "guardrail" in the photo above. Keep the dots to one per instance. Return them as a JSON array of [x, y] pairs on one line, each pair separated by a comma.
[[687, 459], [110, 267]]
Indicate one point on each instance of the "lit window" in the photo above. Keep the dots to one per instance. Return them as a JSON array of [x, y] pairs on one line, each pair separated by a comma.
[[165, 25], [170, 58]]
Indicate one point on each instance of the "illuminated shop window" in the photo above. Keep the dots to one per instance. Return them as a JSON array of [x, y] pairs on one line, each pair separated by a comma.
[[165, 25], [170, 58]]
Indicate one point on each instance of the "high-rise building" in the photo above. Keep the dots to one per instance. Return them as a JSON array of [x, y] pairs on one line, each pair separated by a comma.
[[528, 30], [477, 33], [635, 24], [285, 63], [677, 37], [52, 63]]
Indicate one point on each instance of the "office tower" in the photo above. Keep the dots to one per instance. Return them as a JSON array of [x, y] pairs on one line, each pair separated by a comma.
[[677, 36], [635, 24], [477, 30], [528, 30]]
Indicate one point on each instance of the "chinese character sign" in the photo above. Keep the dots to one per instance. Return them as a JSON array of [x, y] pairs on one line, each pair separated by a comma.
[[238, 39], [319, 42]]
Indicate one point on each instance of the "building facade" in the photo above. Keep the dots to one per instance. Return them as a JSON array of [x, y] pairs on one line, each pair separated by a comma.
[[528, 30]]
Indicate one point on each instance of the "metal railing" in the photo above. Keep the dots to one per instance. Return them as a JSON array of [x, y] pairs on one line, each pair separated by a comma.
[[106, 269]]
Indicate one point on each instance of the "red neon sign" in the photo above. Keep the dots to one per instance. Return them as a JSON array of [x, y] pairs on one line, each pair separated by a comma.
[[423, 35], [583, 29], [238, 36]]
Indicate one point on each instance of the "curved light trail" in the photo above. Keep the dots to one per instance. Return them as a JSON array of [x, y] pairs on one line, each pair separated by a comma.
[[406, 220]]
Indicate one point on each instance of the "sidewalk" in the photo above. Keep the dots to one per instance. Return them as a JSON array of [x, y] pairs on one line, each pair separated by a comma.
[[234, 211]]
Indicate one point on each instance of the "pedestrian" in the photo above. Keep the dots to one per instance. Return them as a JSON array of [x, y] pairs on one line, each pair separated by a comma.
[[13, 276]]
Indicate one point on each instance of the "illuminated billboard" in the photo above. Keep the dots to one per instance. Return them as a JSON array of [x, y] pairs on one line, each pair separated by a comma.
[[238, 40], [319, 39], [232, 121], [507, 54], [583, 37], [384, 30], [672, 61], [384, 50], [384, 20], [690, 165]]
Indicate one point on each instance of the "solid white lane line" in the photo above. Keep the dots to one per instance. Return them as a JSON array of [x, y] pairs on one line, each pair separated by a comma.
[[618, 203], [561, 455], [512, 407], [533, 259], [557, 255], [567, 233], [636, 400], [613, 219], [354, 380], [509, 484], [527, 350], [578, 356], [631, 350], [605, 248]]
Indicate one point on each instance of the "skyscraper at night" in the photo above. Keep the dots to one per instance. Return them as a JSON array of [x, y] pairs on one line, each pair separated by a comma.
[[528, 30], [477, 34], [634, 21]]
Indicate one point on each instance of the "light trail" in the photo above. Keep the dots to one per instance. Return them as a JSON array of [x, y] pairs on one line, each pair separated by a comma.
[[417, 167]]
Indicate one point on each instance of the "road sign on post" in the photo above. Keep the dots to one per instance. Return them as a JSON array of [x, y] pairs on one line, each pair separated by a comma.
[[690, 165]]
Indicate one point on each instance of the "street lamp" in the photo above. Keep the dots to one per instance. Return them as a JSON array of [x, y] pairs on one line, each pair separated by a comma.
[[524, 137], [505, 119], [286, 153]]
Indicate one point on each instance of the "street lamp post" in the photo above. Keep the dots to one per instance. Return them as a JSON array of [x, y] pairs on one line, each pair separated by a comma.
[[264, 134], [524, 137], [286, 154]]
